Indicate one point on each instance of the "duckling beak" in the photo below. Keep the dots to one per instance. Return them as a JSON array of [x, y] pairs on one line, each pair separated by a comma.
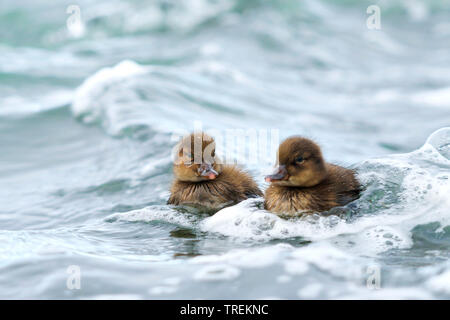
[[279, 174], [206, 170]]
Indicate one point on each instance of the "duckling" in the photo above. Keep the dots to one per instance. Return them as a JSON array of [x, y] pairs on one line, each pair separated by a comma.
[[202, 181], [304, 182]]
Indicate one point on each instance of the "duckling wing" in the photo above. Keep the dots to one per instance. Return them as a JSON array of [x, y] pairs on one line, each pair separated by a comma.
[[345, 184], [347, 196]]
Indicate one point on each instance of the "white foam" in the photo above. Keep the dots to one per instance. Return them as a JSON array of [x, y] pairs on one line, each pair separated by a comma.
[[295, 261], [296, 267], [440, 283], [325, 257], [245, 220], [244, 258], [154, 213], [87, 95]]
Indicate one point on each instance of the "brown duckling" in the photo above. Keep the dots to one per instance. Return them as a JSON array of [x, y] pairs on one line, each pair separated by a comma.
[[202, 181], [304, 182]]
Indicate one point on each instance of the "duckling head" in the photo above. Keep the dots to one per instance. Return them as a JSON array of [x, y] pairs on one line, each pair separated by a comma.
[[300, 164], [195, 158]]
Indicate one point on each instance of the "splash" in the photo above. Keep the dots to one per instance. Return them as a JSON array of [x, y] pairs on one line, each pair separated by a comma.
[[401, 192], [87, 103]]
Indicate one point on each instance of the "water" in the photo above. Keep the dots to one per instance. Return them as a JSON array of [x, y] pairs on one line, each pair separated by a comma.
[[86, 125]]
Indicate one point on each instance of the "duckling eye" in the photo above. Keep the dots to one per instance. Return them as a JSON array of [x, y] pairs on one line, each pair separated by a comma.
[[299, 159]]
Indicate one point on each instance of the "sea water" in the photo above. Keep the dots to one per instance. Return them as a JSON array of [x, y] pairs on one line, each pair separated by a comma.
[[88, 114]]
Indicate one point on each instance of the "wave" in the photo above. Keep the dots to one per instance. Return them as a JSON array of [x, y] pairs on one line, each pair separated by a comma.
[[133, 17], [16, 105], [86, 104], [164, 98]]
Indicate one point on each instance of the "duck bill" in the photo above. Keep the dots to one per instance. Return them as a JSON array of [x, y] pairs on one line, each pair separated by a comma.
[[206, 170], [279, 175]]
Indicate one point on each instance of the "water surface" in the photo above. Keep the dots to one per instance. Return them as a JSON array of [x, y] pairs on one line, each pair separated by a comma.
[[87, 122]]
